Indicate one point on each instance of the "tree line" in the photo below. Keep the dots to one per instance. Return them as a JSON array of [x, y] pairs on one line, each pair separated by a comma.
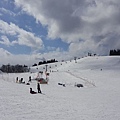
[[114, 52], [45, 62], [14, 68]]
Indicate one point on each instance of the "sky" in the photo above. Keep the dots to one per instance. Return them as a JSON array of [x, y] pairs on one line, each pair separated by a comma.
[[34, 30]]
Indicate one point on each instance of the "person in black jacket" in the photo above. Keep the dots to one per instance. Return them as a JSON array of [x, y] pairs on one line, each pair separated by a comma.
[[38, 87], [29, 79]]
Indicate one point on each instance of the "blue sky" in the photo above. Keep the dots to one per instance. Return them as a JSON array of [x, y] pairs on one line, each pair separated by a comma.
[[11, 14], [57, 29]]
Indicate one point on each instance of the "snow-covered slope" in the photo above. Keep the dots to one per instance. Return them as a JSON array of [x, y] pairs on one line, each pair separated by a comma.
[[99, 99]]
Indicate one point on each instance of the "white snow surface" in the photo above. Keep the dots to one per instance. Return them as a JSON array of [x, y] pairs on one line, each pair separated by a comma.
[[99, 99]]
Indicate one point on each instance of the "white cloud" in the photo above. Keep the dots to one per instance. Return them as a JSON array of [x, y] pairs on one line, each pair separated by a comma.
[[7, 57], [4, 53], [22, 37], [96, 22], [4, 40], [5, 11]]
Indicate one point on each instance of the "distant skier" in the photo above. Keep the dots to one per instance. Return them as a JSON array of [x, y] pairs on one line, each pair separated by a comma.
[[17, 80], [21, 80], [38, 87]]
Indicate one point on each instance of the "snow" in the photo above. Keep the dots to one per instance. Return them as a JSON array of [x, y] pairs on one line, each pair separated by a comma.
[[99, 99]]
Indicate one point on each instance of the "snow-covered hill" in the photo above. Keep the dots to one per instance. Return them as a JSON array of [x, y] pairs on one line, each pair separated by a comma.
[[99, 99]]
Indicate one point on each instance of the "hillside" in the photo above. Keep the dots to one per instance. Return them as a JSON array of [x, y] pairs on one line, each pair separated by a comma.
[[99, 99]]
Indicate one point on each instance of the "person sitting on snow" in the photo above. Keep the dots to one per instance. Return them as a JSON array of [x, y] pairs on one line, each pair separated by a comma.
[[32, 92]]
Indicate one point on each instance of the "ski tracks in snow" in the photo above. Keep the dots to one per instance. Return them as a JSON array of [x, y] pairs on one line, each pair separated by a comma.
[[88, 82]]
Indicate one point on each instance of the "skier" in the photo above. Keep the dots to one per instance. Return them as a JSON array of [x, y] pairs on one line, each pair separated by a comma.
[[17, 80], [38, 87]]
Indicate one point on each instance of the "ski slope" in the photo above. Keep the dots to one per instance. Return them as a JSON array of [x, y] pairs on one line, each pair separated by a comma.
[[99, 99]]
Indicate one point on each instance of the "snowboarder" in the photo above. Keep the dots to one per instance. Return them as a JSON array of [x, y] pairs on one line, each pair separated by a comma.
[[38, 87]]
